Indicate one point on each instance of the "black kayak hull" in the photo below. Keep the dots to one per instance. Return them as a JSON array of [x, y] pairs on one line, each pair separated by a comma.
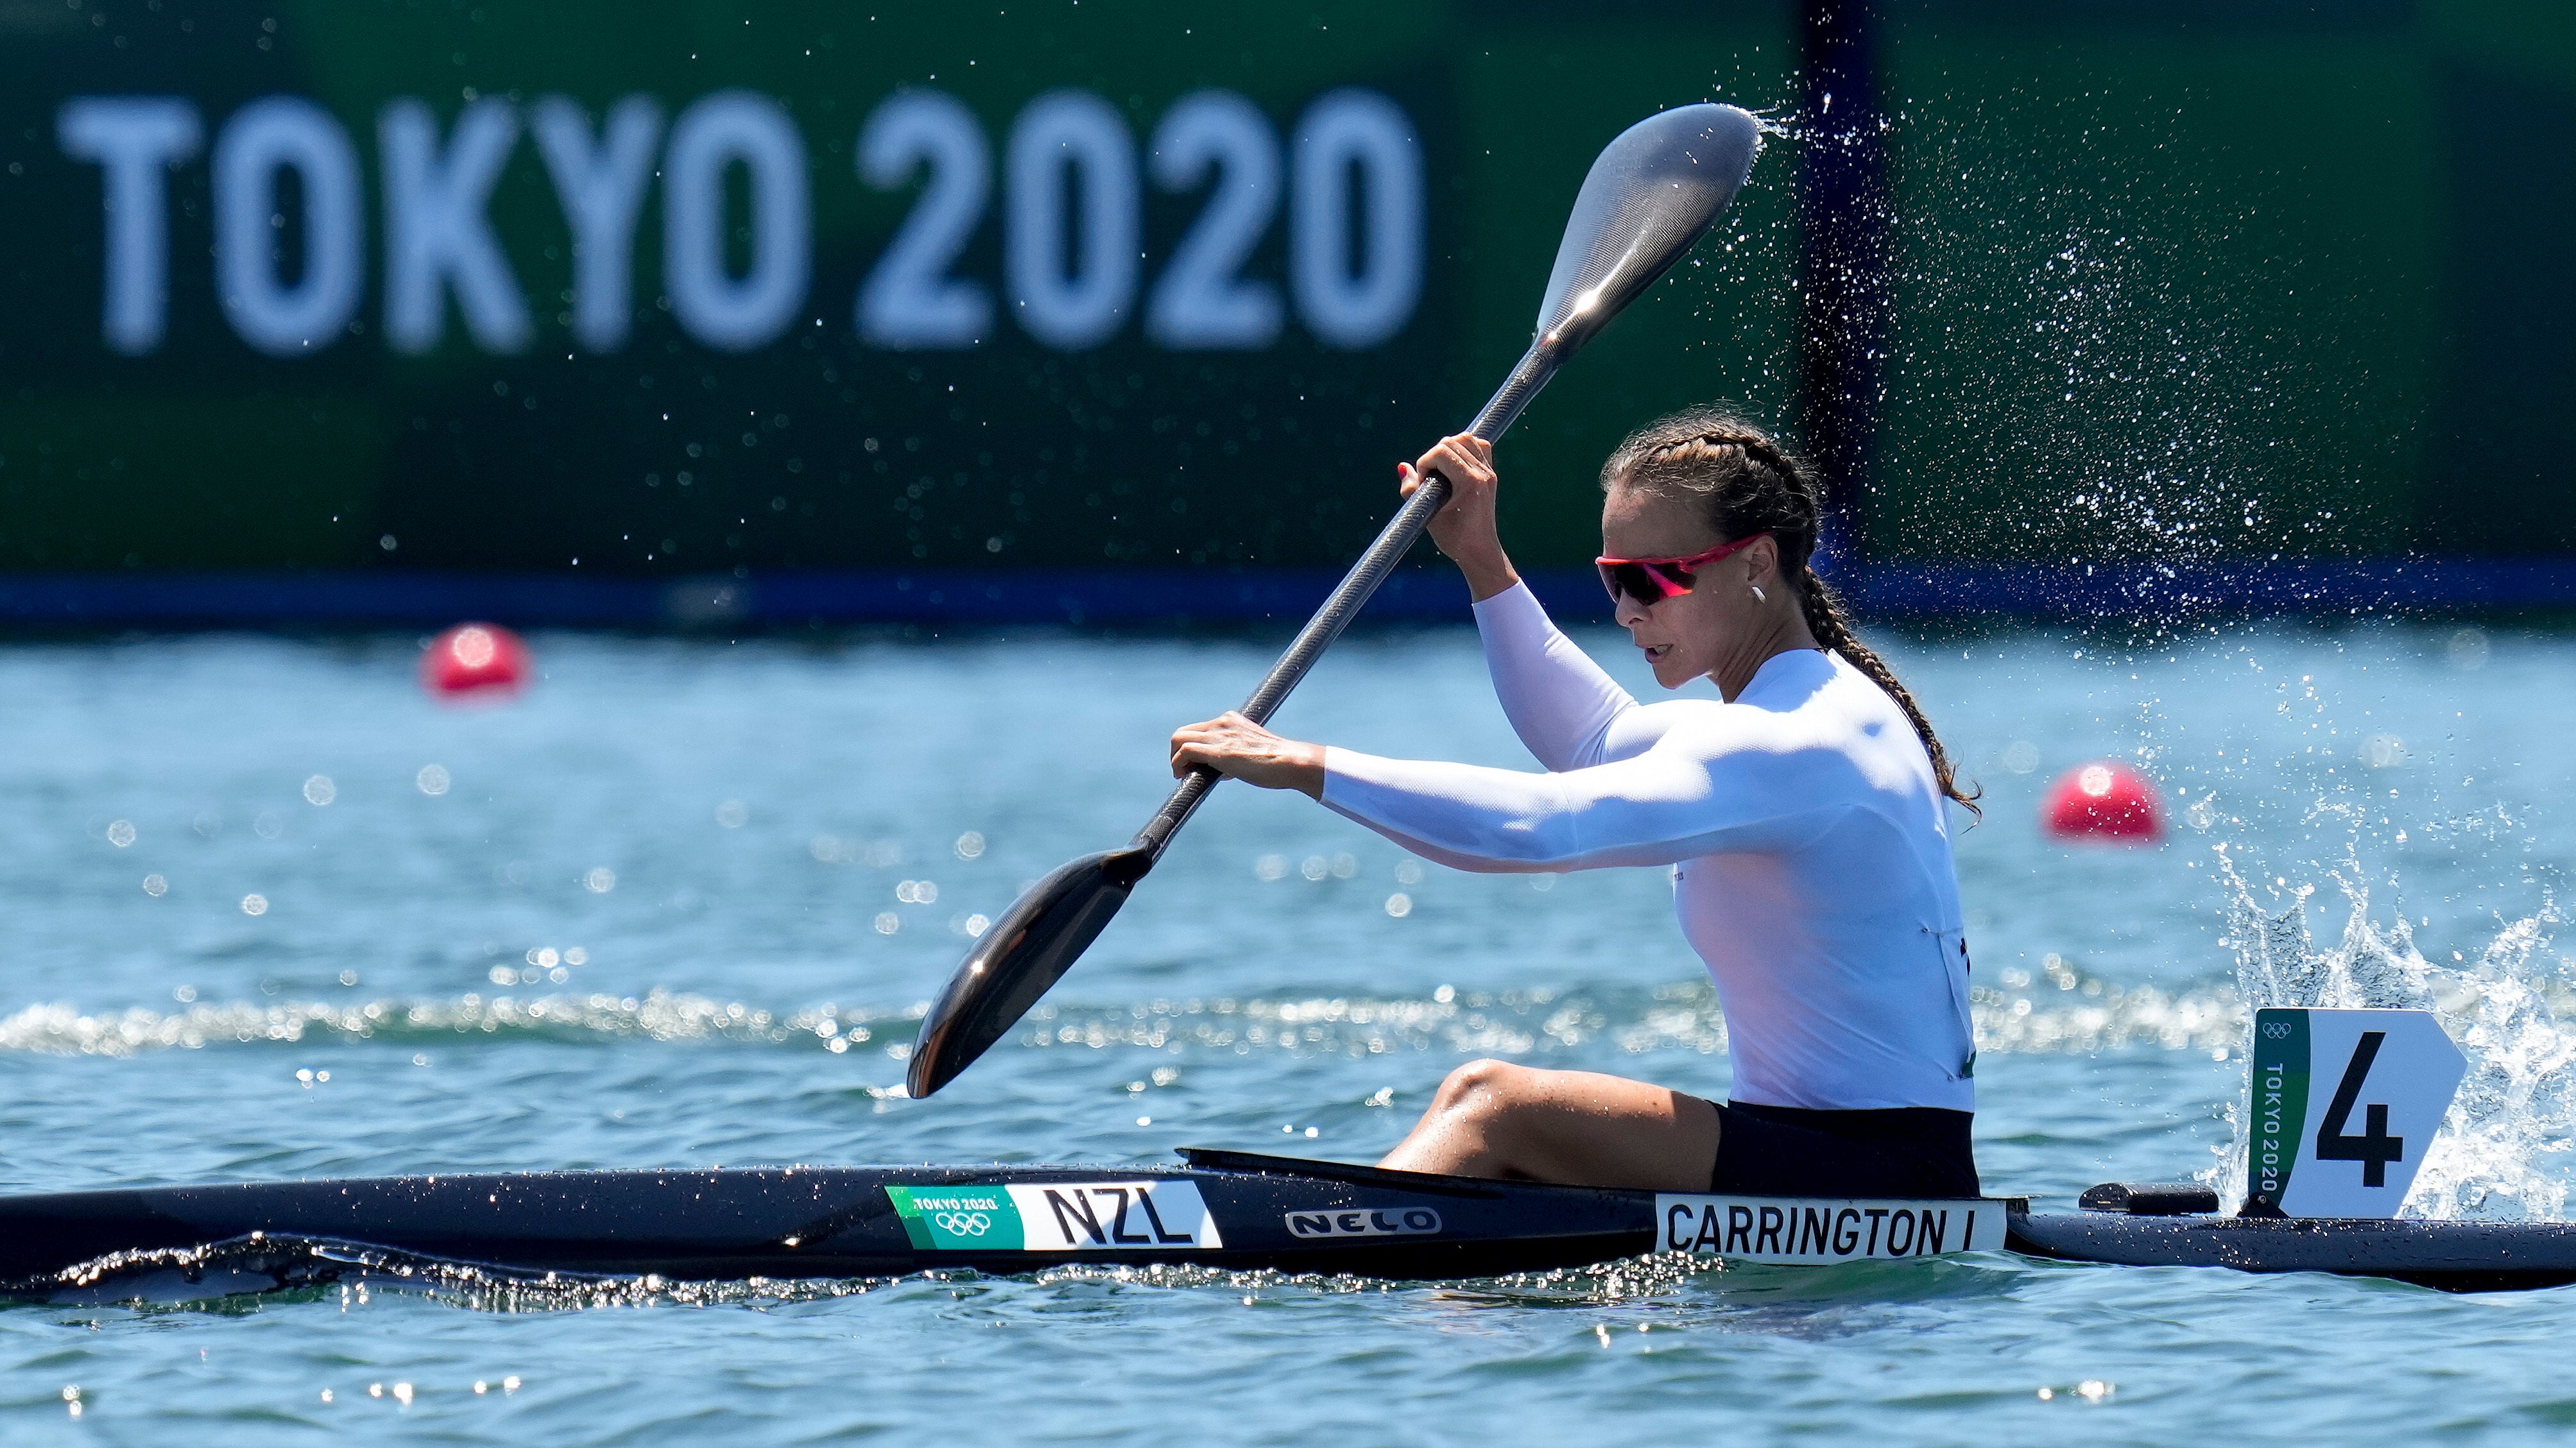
[[843, 1222], [2453, 1256], [1226, 1210]]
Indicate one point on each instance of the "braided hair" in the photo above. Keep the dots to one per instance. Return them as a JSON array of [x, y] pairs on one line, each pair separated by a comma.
[[1749, 484]]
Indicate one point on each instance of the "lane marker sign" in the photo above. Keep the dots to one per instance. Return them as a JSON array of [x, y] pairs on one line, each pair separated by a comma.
[[2344, 1104]]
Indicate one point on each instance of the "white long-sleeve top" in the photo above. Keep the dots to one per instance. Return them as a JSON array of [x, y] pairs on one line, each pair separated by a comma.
[[1807, 835]]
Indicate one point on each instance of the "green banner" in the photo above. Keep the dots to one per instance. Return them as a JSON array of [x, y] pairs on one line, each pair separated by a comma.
[[651, 289], [2279, 1105], [958, 1219]]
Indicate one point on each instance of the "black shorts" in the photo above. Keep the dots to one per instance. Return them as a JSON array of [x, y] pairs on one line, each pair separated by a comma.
[[1788, 1151]]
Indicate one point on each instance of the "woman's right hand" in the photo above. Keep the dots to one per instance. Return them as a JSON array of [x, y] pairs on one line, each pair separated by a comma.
[[1464, 528]]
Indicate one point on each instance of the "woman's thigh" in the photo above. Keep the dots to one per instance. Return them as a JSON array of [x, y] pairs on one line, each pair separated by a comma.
[[1494, 1119]]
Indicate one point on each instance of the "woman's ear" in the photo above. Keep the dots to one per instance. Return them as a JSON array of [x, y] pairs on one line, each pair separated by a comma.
[[1762, 561]]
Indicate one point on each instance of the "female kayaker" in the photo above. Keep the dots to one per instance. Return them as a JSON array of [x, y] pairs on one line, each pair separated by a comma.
[[1804, 818]]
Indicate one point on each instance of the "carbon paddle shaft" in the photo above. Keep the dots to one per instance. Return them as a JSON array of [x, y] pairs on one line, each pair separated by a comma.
[[1536, 366]]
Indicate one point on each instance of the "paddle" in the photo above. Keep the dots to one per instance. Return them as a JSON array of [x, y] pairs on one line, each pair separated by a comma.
[[1650, 194]]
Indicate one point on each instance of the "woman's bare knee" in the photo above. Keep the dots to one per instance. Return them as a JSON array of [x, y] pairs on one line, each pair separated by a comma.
[[1495, 1119], [1470, 1127], [1481, 1088]]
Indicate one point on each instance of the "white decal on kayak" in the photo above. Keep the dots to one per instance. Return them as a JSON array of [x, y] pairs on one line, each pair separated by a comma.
[[1815, 1229], [1365, 1222], [1113, 1216]]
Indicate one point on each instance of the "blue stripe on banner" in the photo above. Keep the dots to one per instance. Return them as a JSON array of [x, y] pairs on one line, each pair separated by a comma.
[[391, 598]]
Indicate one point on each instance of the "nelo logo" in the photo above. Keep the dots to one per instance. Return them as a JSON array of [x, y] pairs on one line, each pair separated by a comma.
[[1365, 1222]]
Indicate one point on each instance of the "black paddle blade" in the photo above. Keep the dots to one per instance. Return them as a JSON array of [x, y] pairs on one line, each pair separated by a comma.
[[1650, 194], [1035, 942]]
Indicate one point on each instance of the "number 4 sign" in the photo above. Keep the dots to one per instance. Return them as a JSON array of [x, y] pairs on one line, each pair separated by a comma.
[[2344, 1105]]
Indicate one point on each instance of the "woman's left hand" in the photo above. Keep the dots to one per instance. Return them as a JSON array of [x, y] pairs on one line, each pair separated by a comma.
[[1240, 749]]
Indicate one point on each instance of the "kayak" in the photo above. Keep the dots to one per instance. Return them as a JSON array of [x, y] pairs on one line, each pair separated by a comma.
[[2342, 1104], [2179, 1226], [1222, 1209]]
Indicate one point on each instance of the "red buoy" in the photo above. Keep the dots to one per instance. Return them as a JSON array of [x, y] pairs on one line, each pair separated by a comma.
[[2104, 801], [475, 660]]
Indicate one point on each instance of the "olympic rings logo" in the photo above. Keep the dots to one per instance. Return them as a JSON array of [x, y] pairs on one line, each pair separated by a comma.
[[2276, 1029], [964, 1224]]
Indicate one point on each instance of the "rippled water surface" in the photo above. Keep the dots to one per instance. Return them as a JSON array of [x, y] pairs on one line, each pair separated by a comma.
[[275, 915]]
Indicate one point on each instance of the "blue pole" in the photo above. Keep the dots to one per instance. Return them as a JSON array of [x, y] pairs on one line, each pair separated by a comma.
[[1846, 292]]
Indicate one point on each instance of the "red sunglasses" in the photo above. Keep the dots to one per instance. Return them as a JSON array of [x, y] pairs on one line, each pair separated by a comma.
[[1652, 580]]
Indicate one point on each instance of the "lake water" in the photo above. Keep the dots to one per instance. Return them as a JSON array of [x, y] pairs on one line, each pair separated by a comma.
[[274, 914]]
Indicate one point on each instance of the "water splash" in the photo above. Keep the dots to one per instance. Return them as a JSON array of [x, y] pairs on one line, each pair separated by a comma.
[[226, 1276], [2158, 372], [218, 1276], [2500, 1153]]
